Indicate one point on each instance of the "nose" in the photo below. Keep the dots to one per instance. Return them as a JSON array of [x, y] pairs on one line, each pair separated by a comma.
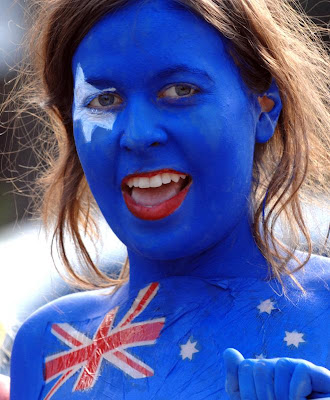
[[142, 128]]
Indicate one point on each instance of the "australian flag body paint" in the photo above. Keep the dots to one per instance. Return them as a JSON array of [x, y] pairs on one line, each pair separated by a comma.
[[108, 343], [167, 341]]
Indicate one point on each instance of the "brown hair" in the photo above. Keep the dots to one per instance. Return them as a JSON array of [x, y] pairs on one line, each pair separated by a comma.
[[267, 39]]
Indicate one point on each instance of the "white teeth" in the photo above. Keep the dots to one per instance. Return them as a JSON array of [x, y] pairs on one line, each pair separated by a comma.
[[144, 182], [155, 181], [166, 178], [175, 177], [136, 182]]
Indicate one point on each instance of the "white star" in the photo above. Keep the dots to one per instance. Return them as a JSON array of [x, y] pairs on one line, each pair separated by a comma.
[[188, 349], [294, 338], [89, 119], [266, 306]]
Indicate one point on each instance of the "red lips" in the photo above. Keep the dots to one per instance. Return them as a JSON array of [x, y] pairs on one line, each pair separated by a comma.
[[163, 209]]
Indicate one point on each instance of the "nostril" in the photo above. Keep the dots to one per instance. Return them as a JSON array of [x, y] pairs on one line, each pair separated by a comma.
[[133, 141]]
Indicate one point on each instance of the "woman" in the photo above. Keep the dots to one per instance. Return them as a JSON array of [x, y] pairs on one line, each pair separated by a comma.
[[195, 125]]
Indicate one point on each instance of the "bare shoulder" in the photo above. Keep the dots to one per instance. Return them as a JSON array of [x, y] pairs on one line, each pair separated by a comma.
[[315, 274], [29, 345], [76, 307], [88, 304], [314, 278]]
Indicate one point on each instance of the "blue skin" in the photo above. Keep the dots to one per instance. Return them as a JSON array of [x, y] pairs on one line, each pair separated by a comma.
[[281, 378], [204, 253]]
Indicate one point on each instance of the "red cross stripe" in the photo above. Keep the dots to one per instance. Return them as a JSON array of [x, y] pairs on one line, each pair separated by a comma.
[[108, 343]]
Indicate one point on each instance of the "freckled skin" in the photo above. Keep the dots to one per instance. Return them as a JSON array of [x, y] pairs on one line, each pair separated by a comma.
[[211, 274]]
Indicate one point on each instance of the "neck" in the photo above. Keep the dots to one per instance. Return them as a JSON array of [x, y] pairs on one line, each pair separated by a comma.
[[235, 256]]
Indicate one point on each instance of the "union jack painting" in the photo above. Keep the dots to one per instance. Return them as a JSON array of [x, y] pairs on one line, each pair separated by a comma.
[[109, 343]]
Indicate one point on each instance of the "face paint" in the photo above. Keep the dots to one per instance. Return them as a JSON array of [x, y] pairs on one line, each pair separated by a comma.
[[84, 93], [184, 110]]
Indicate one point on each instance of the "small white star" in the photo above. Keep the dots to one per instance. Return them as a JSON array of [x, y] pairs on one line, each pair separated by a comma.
[[266, 306], [188, 349], [294, 338], [260, 356]]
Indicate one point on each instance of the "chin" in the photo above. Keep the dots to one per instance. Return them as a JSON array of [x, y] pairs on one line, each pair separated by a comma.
[[174, 244]]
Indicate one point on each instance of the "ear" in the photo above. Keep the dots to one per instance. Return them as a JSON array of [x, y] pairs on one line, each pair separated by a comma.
[[270, 109]]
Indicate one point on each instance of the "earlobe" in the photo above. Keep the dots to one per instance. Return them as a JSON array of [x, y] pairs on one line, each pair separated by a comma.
[[270, 109]]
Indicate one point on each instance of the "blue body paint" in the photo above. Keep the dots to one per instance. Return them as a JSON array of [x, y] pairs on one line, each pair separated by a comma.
[[209, 135], [156, 93]]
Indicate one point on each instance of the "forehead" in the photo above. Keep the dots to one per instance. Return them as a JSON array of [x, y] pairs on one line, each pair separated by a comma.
[[147, 36]]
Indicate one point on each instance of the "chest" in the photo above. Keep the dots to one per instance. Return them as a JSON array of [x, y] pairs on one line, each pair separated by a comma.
[[168, 348]]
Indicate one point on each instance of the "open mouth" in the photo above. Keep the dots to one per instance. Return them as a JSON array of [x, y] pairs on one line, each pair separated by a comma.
[[155, 195]]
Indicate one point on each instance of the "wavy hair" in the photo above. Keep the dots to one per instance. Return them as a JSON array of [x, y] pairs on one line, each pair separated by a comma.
[[267, 39]]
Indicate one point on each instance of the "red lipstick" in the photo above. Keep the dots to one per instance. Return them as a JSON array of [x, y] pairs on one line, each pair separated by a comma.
[[156, 198]]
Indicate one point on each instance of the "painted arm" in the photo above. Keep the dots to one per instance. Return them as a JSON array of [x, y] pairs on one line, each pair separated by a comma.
[[26, 371], [274, 379]]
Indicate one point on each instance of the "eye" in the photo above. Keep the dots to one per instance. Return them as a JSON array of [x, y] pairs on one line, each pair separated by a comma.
[[105, 100], [178, 91]]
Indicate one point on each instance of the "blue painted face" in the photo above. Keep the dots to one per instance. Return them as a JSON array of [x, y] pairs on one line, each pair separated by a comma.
[[165, 129]]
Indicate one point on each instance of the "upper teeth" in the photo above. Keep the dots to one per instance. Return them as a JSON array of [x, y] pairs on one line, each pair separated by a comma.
[[155, 181]]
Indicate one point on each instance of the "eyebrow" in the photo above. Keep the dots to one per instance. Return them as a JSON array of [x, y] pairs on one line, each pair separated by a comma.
[[168, 72], [163, 74]]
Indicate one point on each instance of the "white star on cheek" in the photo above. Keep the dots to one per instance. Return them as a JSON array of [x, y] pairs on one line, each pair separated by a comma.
[[266, 306], [188, 349], [293, 338], [90, 123]]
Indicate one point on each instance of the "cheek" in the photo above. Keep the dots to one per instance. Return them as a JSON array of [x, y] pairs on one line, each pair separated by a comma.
[[97, 156], [218, 140]]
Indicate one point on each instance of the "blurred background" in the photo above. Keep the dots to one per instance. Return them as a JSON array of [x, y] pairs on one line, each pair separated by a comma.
[[27, 276]]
